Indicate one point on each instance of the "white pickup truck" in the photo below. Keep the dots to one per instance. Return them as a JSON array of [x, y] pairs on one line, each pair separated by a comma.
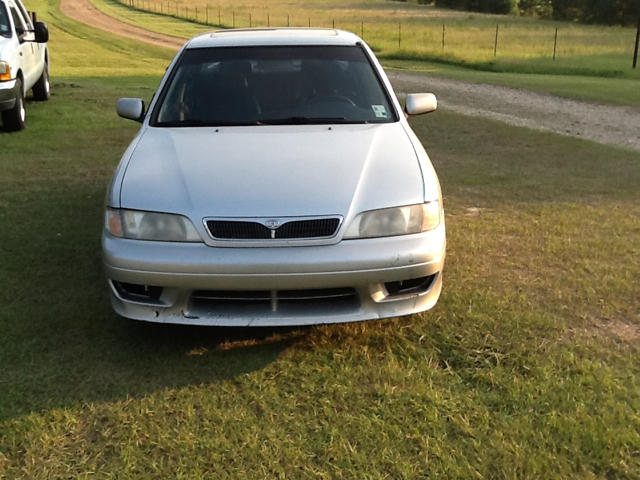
[[24, 62]]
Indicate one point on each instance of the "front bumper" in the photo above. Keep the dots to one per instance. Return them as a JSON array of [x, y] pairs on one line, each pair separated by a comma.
[[190, 275], [8, 94]]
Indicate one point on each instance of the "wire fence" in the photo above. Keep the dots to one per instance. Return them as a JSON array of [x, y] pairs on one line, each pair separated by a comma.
[[411, 39]]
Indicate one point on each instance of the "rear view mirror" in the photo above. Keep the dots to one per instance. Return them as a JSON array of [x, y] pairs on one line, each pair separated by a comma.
[[41, 32], [131, 108], [419, 103]]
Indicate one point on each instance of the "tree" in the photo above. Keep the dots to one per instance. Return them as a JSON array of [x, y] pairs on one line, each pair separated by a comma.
[[611, 12], [484, 6], [536, 8]]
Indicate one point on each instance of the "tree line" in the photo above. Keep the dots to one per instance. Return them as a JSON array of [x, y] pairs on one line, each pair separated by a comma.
[[604, 12]]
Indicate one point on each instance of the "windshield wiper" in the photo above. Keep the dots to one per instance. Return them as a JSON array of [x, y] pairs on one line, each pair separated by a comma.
[[310, 121], [205, 123]]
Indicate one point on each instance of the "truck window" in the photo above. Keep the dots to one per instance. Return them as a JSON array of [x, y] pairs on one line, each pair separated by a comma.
[[5, 29]]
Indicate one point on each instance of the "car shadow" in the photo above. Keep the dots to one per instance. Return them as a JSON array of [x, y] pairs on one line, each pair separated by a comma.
[[119, 358]]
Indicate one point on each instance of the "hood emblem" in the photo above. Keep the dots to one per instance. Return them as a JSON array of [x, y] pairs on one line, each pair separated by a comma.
[[272, 224]]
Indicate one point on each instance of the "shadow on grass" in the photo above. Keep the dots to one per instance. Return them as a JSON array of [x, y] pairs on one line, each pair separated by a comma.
[[61, 343], [72, 360]]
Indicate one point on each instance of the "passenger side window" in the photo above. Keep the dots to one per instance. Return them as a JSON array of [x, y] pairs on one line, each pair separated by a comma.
[[26, 17], [18, 21]]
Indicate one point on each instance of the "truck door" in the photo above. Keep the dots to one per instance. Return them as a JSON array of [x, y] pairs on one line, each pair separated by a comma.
[[27, 51]]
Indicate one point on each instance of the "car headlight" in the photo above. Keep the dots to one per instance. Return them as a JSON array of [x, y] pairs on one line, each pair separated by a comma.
[[5, 72], [388, 222], [161, 227]]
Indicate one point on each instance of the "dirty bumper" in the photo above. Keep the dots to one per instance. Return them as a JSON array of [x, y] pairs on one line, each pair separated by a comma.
[[350, 281]]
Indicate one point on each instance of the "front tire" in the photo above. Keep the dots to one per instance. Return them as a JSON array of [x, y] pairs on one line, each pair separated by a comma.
[[15, 119], [42, 89]]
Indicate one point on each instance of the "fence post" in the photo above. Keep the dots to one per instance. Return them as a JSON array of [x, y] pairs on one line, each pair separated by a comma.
[[219, 17], [399, 34], [250, 21], [444, 29], [555, 45], [495, 46], [288, 24], [206, 14], [233, 18], [361, 29], [309, 22], [635, 51], [333, 23], [268, 21]]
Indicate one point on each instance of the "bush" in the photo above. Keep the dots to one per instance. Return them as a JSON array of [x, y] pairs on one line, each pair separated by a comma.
[[536, 8], [483, 6]]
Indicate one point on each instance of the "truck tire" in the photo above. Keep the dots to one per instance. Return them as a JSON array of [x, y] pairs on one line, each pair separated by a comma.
[[15, 119], [42, 89]]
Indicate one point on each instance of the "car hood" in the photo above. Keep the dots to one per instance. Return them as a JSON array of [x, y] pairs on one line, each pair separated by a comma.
[[268, 171]]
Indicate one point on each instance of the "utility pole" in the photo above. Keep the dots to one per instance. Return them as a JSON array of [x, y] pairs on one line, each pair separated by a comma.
[[635, 52]]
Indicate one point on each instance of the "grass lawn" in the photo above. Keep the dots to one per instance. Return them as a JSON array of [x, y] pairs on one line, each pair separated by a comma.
[[595, 66], [527, 367], [620, 91], [404, 30]]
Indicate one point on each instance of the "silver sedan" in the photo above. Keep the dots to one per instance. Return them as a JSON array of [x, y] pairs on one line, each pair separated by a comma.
[[274, 181]]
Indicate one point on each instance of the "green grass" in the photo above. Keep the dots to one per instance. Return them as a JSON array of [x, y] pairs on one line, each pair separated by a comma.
[[621, 91], [81, 51], [527, 367], [595, 74], [408, 31]]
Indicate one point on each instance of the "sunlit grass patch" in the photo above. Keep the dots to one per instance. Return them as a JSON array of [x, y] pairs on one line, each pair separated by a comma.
[[404, 30], [521, 370], [527, 367]]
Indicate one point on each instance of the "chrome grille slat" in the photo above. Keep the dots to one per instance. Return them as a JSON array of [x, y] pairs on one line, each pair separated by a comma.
[[238, 230], [226, 229]]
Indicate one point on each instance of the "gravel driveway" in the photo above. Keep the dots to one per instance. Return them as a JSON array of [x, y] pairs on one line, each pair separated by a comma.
[[609, 124], [613, 125]]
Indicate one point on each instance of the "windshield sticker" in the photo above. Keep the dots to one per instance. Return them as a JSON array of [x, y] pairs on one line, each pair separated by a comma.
[[380, 111], [4, 28]]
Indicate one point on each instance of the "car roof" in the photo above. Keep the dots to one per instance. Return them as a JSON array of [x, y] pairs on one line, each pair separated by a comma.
[[273, 36]]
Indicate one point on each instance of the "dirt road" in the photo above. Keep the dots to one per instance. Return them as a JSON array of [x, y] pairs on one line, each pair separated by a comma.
[[600, 123], [83, 11]]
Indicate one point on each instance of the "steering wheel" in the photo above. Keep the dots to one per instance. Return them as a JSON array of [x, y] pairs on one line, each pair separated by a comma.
[[331, 98]]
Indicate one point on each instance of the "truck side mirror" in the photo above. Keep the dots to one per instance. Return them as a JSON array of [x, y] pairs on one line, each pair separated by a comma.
[[41, 32]]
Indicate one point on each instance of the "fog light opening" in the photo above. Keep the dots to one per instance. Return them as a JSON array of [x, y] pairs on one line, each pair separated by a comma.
[[138, 293], [414, 286]]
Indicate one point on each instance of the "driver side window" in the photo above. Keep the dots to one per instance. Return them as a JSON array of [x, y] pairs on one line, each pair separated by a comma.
[[18, 21]]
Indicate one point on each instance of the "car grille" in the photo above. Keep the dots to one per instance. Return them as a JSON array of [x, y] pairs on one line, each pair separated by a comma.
[[255, 230], [292, 302]]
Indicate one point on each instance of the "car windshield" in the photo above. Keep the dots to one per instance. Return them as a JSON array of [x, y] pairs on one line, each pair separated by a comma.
[[272, 85], [5, 30]]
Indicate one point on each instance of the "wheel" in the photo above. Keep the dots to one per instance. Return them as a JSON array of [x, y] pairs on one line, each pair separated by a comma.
[[42, 89], [15, 119]]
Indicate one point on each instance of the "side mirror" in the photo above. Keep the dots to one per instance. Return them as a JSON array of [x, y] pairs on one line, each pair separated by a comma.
[[20, 32], [419, 103], [41, 32], [131, 108]]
